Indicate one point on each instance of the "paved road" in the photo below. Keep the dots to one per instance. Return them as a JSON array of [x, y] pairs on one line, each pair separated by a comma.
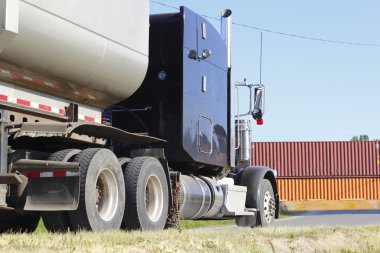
[[332, 218], [320, 218]]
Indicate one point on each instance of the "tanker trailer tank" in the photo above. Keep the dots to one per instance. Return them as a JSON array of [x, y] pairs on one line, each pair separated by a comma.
[[90, 52]]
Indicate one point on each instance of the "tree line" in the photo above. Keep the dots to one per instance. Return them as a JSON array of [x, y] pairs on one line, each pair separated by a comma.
[[363, 137]]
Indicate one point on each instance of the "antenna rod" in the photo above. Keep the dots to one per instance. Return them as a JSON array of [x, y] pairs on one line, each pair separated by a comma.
[[261, 54]]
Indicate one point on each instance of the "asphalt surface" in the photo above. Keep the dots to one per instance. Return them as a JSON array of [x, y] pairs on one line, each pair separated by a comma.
[[332, 218], [320, 218]]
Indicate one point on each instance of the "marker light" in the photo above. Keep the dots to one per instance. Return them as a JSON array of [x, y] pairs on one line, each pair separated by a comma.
[[260, 122], [162, 75]]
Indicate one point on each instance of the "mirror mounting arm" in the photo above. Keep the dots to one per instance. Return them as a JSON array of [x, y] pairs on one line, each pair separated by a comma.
[[258, 109]]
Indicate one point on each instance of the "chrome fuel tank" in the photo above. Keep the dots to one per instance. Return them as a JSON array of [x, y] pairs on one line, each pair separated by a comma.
[[93, 52]]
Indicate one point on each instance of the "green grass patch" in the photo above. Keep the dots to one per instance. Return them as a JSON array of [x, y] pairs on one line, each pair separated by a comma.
[[186, 224], [40, 228], [272, 239]]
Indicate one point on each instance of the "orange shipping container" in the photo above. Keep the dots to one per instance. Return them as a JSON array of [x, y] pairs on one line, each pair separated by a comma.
[[319, 159], [299, 189]]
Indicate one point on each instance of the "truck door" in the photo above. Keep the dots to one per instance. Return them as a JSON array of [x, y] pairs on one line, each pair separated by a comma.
[[204, 91]]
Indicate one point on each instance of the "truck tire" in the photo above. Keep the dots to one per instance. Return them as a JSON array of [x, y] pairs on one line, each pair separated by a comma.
[[14, 222], [147, 195], [124, 162], [58, 222], [265, 216], [102, 192]]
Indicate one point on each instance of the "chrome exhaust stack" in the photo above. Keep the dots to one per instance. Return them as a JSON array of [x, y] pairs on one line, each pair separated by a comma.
[[225, 31]]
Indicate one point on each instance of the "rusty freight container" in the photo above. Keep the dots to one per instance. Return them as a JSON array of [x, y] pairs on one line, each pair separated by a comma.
[[312, 194], [319, 159], [299, 189]]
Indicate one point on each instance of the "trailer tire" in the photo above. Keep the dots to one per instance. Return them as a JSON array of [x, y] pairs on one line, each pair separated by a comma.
[[58, 222], [124, 162], [147, 195], [265, 215], [14, 222], [102, 192]]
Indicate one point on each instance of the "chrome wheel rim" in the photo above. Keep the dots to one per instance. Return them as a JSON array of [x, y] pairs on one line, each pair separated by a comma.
[[269, 207], [154, 198], [107, 194]]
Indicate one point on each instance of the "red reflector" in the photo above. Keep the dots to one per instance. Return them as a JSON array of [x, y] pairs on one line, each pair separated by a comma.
[[260, 122], [59, 174], [23, 102], [17, 75], [3, 97], [33, 174], [44, 107], [87, 118]]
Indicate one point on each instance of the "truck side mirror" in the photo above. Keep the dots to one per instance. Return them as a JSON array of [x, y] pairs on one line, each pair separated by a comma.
[[257, 114], [258, 107], [256, 100]]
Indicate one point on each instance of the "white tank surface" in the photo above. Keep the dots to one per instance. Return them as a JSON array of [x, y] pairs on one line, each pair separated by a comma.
[[93, 52]]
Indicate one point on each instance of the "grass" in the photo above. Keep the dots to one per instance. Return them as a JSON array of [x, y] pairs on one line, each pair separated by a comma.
[[40, 228], [184, 239], [189, 224], [186, 224], [273, 239]]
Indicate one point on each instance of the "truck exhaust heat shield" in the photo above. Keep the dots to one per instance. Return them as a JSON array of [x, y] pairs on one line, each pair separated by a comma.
[[243, 136]]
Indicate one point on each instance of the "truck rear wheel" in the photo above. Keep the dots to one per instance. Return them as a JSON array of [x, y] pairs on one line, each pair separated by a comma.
[[59, 221], [14, 222], [265, 216], [102, 192], [147, 195]]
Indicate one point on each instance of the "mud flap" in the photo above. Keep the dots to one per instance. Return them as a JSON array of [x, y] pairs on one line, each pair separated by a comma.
[[52, 194], [246, 221]]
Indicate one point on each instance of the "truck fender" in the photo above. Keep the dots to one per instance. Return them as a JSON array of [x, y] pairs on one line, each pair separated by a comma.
[[251, 178]]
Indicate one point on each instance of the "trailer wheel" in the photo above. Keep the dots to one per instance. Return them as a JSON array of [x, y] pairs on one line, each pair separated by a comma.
[[102, 192], [14, 222], [147, 195], [265, 216], [58, 222]]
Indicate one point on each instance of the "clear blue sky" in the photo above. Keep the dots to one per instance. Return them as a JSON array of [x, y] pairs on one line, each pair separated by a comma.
[[315, 90]]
